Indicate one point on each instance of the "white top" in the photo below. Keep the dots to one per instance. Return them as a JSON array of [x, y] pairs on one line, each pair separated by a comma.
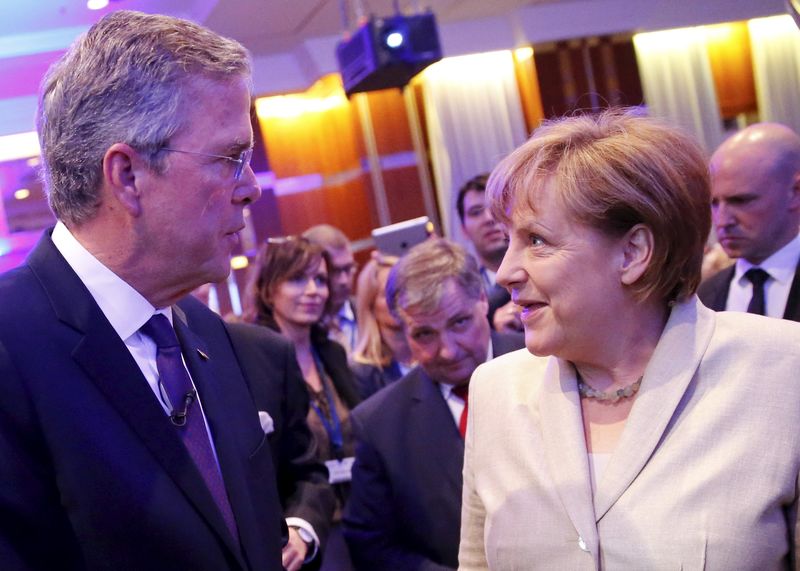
[[597, 465], [780, 266]]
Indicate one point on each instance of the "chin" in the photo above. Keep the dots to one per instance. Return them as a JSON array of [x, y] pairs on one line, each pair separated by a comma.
[[536, 347]]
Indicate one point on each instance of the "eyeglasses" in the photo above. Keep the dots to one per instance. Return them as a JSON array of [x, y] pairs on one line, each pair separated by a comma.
[[241, 162], [347, 270]]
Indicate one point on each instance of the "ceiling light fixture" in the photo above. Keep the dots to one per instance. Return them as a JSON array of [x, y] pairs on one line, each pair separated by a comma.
[[96, 4]]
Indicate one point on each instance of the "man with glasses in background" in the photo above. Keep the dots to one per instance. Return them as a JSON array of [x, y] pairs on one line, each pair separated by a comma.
[[128, 437], [341, 322]]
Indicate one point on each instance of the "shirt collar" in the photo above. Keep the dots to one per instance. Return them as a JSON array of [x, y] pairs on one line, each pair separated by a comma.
[[124, 307], [781, 266], [346, 312], [448, 389]]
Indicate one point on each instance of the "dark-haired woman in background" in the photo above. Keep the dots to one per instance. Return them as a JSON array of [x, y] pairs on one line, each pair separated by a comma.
[[290, 294]]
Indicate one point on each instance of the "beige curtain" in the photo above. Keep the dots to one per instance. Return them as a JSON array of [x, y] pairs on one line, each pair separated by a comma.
[[776, 64], [474, 118], [677, 81]]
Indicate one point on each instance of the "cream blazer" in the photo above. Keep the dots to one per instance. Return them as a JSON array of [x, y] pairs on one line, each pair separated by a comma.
[[705, 475]]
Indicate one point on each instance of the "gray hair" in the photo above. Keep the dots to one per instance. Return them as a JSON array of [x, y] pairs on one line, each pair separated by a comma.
[[124, 81], [419, 278]]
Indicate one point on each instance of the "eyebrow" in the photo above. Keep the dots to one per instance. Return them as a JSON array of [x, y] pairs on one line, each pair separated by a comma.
[[238, 146]]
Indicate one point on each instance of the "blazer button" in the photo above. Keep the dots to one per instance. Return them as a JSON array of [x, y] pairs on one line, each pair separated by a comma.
[[582, 544]]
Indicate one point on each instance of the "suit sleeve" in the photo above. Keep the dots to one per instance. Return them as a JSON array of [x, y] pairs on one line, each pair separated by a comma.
[[369, 522], [472, 552], [34, 529]]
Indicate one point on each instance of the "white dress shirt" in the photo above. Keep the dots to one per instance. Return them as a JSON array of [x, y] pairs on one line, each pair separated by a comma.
[[780, 266]]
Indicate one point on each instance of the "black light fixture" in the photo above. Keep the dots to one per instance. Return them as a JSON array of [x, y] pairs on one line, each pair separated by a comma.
[[388, 52]]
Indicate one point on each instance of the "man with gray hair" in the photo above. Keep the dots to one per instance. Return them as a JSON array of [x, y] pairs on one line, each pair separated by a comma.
[[404, 510], [128, 437]]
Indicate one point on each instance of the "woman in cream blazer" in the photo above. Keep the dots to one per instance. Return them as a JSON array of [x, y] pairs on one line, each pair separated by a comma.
[[640, 430]]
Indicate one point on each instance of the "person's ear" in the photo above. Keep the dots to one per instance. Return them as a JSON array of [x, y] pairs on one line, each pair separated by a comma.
[[122, 170], [483, 303], [794, 201], [637, 252]]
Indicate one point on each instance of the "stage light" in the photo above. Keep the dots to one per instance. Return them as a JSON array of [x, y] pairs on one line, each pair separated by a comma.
[[394, 39]]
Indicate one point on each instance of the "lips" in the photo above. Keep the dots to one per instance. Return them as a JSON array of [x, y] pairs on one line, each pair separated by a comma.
[[494, 235], [529, 308]]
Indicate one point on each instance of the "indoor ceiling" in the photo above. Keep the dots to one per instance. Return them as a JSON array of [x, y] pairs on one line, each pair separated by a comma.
[[33, 34]]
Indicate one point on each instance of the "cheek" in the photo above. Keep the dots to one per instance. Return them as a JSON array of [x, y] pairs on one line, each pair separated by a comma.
[[422, 353], [282, 298]]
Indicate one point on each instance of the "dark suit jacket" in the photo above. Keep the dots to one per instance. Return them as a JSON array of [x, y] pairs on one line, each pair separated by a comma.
[[404, 511], [93, 475], [278, 388], [714, 292], [497, 297]]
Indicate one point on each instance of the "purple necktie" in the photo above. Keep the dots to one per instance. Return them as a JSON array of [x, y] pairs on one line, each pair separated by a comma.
[[176, 386]]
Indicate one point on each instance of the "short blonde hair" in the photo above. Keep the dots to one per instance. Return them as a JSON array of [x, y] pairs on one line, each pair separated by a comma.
[[612, 171]]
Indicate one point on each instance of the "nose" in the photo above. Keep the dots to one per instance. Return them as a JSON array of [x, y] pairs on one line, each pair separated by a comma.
[[511, 273], [248, 190], [448, 347], [721, 214], [311, 286]]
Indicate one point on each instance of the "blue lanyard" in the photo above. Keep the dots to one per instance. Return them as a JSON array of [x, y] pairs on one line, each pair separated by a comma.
[[333, 426]]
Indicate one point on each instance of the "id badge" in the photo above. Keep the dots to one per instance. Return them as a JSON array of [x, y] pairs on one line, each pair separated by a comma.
[[340, 470]]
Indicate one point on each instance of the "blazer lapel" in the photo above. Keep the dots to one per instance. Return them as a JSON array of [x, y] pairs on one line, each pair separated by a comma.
[[671, 369], [437, 428], [565, 447], [109, 364], [720, 299]]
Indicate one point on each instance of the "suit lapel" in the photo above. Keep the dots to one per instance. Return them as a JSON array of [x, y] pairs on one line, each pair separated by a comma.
[[720, 299], [439, 434], [792, 310], [198, 360], [671, 369], [565, 447]]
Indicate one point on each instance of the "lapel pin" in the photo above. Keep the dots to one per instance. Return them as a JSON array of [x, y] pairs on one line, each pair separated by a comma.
[[202, 354]]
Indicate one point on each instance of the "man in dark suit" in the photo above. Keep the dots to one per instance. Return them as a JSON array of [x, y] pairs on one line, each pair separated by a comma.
[[755, 201], [404, 510], [278, 389], [128, 436], [490, 245]]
